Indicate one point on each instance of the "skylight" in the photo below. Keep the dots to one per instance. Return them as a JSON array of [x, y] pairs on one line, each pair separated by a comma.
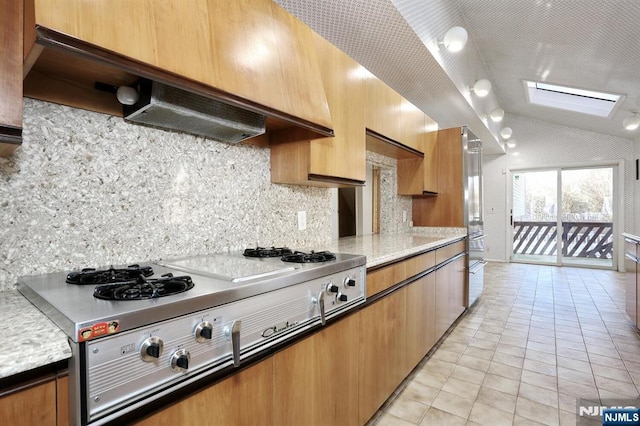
[[571, 99]]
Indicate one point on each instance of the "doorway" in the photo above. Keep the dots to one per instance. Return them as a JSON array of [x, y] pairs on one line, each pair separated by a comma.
[[564, 216]]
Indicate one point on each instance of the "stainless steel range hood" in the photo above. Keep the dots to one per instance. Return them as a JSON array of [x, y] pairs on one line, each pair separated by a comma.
[[167, 107]]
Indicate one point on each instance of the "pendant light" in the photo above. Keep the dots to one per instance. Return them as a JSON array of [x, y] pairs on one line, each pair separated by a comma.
[[506, 133], [496, 115], [481, 87]]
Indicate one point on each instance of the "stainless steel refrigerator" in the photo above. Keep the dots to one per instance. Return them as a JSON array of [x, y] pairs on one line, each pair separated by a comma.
[[473, 213]]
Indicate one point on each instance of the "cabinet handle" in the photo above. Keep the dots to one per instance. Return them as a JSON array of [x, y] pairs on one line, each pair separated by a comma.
[[234, 334], [323, 316]]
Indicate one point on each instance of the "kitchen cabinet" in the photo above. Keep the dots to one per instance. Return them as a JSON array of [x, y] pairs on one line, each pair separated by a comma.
[[394, 125], [383, 109], [336, 161], [245, 398], [316, 380], [449, 294], [62, 399], [419, 176], [447, 208], [382, 359], [11, 51], [34, 405], [421, 319], [248, 53], [632, 275]]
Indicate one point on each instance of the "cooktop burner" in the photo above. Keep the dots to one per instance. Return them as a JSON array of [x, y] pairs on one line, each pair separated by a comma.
[[91, 276], [267, 252], [144, 288], [312, 257]]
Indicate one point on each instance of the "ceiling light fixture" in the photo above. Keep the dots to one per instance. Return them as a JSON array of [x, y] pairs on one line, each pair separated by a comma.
[[496, 115], [454, 39], [632, 122], [511, 143], [506, 133], [481, 88]]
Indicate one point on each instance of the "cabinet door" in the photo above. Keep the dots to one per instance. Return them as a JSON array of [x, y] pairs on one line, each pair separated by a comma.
[[458, 274], [383, 109], [447, 209], [420, 318], [315, 380], [11, 30], [443, 279], [35, 405], [243, 399], [412, 122], [430, 169], [382, 352]]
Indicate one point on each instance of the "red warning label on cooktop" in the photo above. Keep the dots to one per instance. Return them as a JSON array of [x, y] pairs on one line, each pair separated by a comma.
[[98, 329]]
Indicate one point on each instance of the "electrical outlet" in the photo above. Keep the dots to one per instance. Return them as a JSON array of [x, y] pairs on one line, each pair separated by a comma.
[[404, 216], [302, 220]]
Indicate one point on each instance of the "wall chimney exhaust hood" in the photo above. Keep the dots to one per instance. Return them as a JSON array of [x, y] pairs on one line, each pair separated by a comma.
[[167, 107]]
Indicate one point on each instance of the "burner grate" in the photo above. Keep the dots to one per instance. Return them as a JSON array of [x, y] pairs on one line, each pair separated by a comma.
[[312, 257], [267, 252], [91, 276], [143, 288]]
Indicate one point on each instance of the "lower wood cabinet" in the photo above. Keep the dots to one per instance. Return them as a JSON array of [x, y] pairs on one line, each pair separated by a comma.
[[382, 361], [243, 399], [316, 380], [35, 405], [450, 292], [421, 314]]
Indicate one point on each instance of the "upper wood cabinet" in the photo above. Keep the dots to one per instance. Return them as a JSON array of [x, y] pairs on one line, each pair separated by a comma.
[[412, 125], [419, 176], [383, 109], [336, 161], [11, 30], [447, 208], [249, 53]]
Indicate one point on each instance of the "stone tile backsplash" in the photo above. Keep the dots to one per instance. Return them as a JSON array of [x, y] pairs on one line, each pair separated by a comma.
[[89, 190]]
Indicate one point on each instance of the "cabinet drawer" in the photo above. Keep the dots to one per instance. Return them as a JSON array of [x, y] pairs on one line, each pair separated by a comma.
[[449, 251], [420, 263], [383, 278]]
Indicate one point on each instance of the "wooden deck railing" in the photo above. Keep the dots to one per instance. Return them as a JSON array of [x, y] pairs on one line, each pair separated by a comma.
[[579, 239]]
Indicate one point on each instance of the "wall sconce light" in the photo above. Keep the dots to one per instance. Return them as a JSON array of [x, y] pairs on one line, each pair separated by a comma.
[[632, 122], [496, 115], [511, 143], [454, 39], [506, 133], [481, 88]]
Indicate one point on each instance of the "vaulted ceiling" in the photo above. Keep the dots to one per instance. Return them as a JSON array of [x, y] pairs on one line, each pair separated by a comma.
[[588, 44]]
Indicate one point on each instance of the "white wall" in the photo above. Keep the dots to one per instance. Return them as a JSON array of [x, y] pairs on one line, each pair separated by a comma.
[[636, 189], [543, 144]]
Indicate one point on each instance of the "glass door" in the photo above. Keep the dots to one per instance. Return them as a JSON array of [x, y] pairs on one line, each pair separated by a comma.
[[563, 216], [587, 217], [534, 216]]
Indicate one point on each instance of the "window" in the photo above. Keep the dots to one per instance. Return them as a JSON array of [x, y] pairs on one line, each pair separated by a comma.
[[571, 99]]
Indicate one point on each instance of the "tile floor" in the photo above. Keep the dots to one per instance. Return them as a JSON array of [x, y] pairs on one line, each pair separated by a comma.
[[539, 338]]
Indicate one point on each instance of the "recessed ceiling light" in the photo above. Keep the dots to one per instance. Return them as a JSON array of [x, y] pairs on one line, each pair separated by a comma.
[[590, 102]]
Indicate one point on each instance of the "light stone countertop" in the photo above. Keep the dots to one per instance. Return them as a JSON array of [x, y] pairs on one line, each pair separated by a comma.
[[28, 338], [39, 342], [381, 249]]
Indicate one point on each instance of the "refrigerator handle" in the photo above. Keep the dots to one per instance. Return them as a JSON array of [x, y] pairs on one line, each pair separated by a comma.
[[511, 217]]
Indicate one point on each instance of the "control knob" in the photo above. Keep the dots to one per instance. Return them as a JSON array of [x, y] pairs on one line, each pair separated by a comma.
[[180, 360], [341, 297], [332, 288], [203, 332], [349, 282], [151, 349]]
